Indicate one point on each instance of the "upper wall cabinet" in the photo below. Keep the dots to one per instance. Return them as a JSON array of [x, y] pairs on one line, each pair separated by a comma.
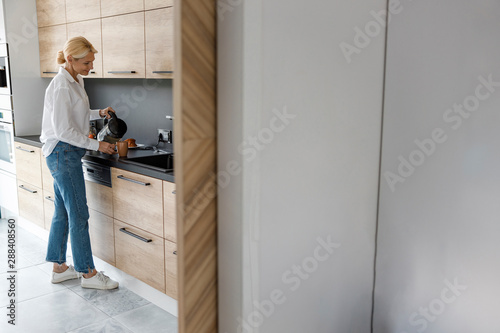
[[160, 43], [50, 12], [123, 46], [78, 10], [132, 42], [154, 4], [51, 41], [117, 7], [92, 31]]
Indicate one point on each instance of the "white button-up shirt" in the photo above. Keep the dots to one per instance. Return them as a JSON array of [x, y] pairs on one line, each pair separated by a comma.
[[66, 114]]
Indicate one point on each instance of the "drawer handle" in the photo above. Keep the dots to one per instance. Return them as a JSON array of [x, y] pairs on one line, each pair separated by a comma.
[[163, 72], [133, 180], [26, 189], [145, 240], [173, 192], [50, 198], [121, 72], [175, 252], [49, 72], [26, 150]]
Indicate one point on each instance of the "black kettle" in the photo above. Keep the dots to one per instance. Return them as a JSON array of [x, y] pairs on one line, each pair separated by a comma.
[[113, 131]]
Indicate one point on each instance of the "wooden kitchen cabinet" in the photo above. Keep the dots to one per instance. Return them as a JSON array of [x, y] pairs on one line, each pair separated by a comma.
[[92, 31], [155, 4], [138, 200], [99, 198], [118, 7], [28, 166], [48, 208], [169, 214], [171, 269], [101, 230], [123, 46], [140, 254], [50, 12], [47, 179], [30, 199], [78, 10], [159, 43], [51, 40]]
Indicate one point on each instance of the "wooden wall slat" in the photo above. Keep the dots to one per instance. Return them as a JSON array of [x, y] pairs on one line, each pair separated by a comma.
[[196, 156]]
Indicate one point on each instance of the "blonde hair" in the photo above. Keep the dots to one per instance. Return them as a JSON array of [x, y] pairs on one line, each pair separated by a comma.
[[77, 47]]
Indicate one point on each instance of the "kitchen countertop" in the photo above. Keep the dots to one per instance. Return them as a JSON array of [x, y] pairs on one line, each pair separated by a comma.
[[111, 160]]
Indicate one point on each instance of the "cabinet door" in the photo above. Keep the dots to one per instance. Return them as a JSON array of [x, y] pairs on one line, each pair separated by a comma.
[[160, 43], [48, 208], [99, 198], [154, 4], [31, 203], [171, 269], [51, 41], [137, 200], [28, 167], [92, 31], [123, 46], [78, 10], [118, 7], [140, 254], [169, 215], [50, 12], [47, 179], [102, 236]]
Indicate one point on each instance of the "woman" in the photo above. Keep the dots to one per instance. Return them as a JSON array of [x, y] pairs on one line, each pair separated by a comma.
[[65, 126]]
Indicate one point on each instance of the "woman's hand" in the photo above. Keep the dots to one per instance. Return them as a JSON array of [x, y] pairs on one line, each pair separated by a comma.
[[106, 111], [106, 147]]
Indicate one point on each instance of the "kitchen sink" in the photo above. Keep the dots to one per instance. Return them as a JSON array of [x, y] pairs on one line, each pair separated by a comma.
[[160, 162]]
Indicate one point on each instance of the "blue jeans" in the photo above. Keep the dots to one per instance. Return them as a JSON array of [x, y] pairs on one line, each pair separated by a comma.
[[71, 213]]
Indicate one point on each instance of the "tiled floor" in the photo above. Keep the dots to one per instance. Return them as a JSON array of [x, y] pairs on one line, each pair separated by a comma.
[[58, 308]]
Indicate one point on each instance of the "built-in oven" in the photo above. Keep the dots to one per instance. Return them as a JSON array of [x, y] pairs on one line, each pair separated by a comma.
[[7, 142], [5, 88]]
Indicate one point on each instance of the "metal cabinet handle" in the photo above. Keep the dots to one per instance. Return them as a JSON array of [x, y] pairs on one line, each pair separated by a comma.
[[26, 150], [175, 252], [50, 198], [145, 240], [133, 180], [49, 72], [163, 72], [26, 189], [173, 192], [121, 72]]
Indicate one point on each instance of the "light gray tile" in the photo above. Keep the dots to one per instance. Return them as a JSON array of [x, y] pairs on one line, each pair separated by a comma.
[[60, 312], [31, 282], [148, 319], [112, 302], [107, 326]]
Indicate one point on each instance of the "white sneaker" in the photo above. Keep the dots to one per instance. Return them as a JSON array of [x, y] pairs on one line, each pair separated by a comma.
[[68, 274], [99, 281]]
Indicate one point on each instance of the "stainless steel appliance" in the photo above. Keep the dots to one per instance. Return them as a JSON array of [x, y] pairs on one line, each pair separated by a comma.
[[97, 173], [5, 88], [7, 142]]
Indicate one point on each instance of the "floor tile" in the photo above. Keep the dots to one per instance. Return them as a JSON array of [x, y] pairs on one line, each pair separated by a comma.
[[148, 319], [59, 312], [106, 326], [112, 302], [31, 282]]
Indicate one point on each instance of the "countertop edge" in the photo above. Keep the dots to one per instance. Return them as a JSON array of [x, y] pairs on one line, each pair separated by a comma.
[[106, 160]]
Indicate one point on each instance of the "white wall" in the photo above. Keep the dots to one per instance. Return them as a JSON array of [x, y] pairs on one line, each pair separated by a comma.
[[28, 88], [310, 178], [440, 226]]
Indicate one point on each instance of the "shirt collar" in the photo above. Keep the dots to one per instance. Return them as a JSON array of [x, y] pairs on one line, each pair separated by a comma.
[[68, 76]]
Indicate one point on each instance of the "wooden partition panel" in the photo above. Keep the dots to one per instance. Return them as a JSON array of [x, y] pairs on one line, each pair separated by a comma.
[[195, 163]]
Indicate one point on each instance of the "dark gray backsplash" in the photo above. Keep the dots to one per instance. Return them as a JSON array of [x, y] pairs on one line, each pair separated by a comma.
[[142, 103]]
